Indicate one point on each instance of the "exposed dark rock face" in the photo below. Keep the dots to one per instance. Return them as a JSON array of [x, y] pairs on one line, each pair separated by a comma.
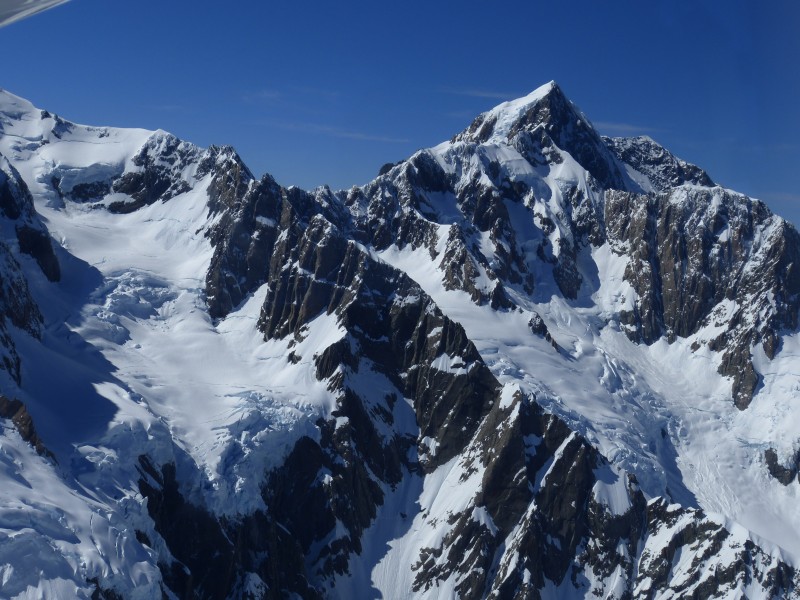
[[391, 329], [721, 564], [536, 520], [539, 478], [685, 258], [394, 209], [661, 167], [16, 205], [408, 203], [554, 121], [161, 162], [16, 303], [101, 593], [550, 525], [85, 191], [460, 267], [36, 243], [192, 535], [700, 257], [540, 524], [230, 177], [786, 474], [537, 326], [243, 238], [23, 422], [93, 190], [386, 167], [690, 249], [17, 306], [252, 214], [406, 207], [556, 116], [13, 192]]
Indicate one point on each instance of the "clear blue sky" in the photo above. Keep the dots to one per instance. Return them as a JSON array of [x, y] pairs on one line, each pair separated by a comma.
[[326, 92]]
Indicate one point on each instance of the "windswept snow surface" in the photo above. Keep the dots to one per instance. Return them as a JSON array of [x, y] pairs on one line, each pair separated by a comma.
[[41, 146]]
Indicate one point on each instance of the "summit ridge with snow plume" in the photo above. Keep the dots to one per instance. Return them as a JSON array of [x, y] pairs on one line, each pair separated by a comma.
[[529, 362]]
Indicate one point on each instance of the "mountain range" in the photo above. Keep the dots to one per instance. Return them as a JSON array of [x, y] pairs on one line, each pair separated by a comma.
[[529, 362]]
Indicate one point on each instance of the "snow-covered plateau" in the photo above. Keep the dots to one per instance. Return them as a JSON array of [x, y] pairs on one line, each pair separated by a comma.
[[530, 362]]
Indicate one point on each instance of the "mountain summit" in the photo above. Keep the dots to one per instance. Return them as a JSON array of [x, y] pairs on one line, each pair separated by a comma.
[[530, 362], [543, 119]]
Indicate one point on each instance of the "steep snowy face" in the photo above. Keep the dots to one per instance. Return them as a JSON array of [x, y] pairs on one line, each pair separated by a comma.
[[509, 366], [540, 126]]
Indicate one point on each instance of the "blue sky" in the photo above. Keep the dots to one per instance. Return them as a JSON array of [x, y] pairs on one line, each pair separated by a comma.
[[324, 92]]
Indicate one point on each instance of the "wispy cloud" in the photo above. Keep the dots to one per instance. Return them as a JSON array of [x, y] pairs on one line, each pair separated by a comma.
[[787, 147], [478, 93], [461, 114], [767, 148], [787, 197], [318, 92], [169, 107], [261, 96], [330, 131], [614, 128], [291, 93], [743, 146]]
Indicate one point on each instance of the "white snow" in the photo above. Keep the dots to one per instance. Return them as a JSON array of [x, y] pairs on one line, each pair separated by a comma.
[[611, 490], [615, 294], [508, 113], [451, 364]]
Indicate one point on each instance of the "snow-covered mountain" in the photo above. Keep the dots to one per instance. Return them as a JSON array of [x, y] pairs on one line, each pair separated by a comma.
[[530, 362]]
